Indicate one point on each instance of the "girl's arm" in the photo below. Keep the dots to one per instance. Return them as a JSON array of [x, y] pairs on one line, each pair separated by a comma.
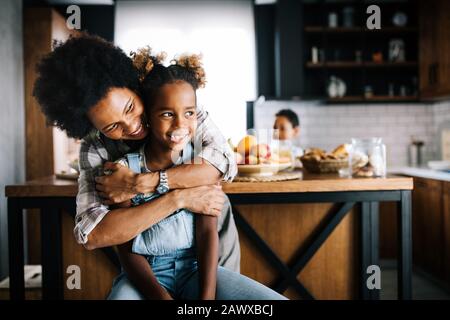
[[207, 241], [140, 273]]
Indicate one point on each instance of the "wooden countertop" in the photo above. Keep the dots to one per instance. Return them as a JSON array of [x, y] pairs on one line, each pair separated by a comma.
[[53, 187]]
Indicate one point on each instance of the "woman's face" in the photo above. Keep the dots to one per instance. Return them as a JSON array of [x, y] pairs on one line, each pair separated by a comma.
[[120, 115], [172, 116]]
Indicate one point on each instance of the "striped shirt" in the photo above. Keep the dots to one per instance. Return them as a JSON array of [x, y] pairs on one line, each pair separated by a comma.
[[96, 149]]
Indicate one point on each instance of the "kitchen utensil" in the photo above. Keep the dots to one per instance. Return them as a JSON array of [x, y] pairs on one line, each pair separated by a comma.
[[332, 20], [396, 50], [399, 19], [416, 152]]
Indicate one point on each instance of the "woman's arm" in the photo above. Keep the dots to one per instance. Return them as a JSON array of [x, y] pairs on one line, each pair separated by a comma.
[[123, 224], [207, 241], [140, 273], [123, 184]]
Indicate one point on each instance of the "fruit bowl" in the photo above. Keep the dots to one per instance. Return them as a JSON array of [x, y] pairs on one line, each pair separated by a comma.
[[261, 170]]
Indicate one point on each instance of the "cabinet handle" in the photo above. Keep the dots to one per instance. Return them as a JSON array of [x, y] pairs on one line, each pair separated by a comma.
[[436, 73], [430, 74]]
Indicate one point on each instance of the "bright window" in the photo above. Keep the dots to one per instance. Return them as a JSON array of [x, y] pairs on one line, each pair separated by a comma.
[[223, 31]]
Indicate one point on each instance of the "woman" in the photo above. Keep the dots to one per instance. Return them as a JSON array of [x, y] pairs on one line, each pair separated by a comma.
[[90, 88]]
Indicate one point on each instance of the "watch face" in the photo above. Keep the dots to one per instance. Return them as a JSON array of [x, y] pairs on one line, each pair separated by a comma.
[[162, 189]]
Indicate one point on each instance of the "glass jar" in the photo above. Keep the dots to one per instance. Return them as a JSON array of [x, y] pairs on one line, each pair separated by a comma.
[[367, 158], [285, 151]]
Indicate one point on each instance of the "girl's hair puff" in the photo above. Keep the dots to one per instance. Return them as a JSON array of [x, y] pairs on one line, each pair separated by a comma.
[[193, 63], [154, 74], [144, 61]]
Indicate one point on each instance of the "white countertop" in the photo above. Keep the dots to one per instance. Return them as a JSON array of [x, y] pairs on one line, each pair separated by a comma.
[[422, 172]]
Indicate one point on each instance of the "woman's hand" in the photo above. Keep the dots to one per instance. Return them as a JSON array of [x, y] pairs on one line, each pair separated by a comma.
[[117, 187], [207, 200]]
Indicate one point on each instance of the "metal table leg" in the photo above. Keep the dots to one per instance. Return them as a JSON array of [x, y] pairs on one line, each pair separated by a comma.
[[405, 247], [369, 246], [16, 254], [52, 268]]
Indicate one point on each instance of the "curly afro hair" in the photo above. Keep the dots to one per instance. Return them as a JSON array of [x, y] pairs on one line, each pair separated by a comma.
[[76, 75], [153, 74]]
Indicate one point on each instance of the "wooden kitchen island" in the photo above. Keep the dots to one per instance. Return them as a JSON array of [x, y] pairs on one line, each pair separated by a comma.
[[308, 238]]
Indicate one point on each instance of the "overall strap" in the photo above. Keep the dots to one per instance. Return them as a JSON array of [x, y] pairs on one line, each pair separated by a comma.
[[134, 162]]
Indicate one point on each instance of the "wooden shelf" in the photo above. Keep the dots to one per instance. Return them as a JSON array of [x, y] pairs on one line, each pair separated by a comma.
[[347, 99], [394, 98], [318, 29], [314, 29], [393, 30], [379, 98], [354, 64]]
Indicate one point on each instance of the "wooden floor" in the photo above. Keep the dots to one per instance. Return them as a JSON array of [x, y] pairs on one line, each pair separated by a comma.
[[424, 286]]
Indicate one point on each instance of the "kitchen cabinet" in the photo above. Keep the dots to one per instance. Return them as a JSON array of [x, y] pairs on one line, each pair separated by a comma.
[[279, 49], [430, 225], [287, 31], [446, 216], [428, 231], [289, 80], [434, 53]]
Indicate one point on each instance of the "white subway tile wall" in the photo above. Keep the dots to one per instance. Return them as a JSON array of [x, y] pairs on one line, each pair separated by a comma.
[[326, 126]]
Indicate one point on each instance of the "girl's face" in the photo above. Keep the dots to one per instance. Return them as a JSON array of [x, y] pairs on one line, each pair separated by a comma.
[[120, 115], [172, 116], [285, 128]]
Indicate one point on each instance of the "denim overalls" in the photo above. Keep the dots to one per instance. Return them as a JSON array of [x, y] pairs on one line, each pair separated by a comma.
[[169, 245], [170, 234]]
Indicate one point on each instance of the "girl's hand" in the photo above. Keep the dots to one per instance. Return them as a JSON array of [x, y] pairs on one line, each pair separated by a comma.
[[207, 200], [117, 187]]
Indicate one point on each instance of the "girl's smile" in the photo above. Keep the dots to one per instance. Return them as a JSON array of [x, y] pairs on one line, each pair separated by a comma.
[[179, 135], [172, 115]]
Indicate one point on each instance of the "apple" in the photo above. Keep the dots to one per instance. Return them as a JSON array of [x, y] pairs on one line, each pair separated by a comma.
[[261, 151]]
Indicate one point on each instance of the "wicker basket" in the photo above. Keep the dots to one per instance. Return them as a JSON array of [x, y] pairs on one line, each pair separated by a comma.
[[324, 166]]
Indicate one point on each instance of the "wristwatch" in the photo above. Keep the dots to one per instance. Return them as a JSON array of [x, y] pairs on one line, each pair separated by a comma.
[[163, 186]]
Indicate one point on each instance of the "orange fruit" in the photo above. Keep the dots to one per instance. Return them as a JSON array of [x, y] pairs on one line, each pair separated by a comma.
[[246, 144]]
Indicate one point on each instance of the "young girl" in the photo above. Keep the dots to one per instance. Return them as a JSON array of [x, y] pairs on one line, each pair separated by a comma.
[[176, 258]]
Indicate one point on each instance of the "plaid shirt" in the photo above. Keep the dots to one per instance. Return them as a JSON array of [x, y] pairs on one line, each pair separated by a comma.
[[96, 150]]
